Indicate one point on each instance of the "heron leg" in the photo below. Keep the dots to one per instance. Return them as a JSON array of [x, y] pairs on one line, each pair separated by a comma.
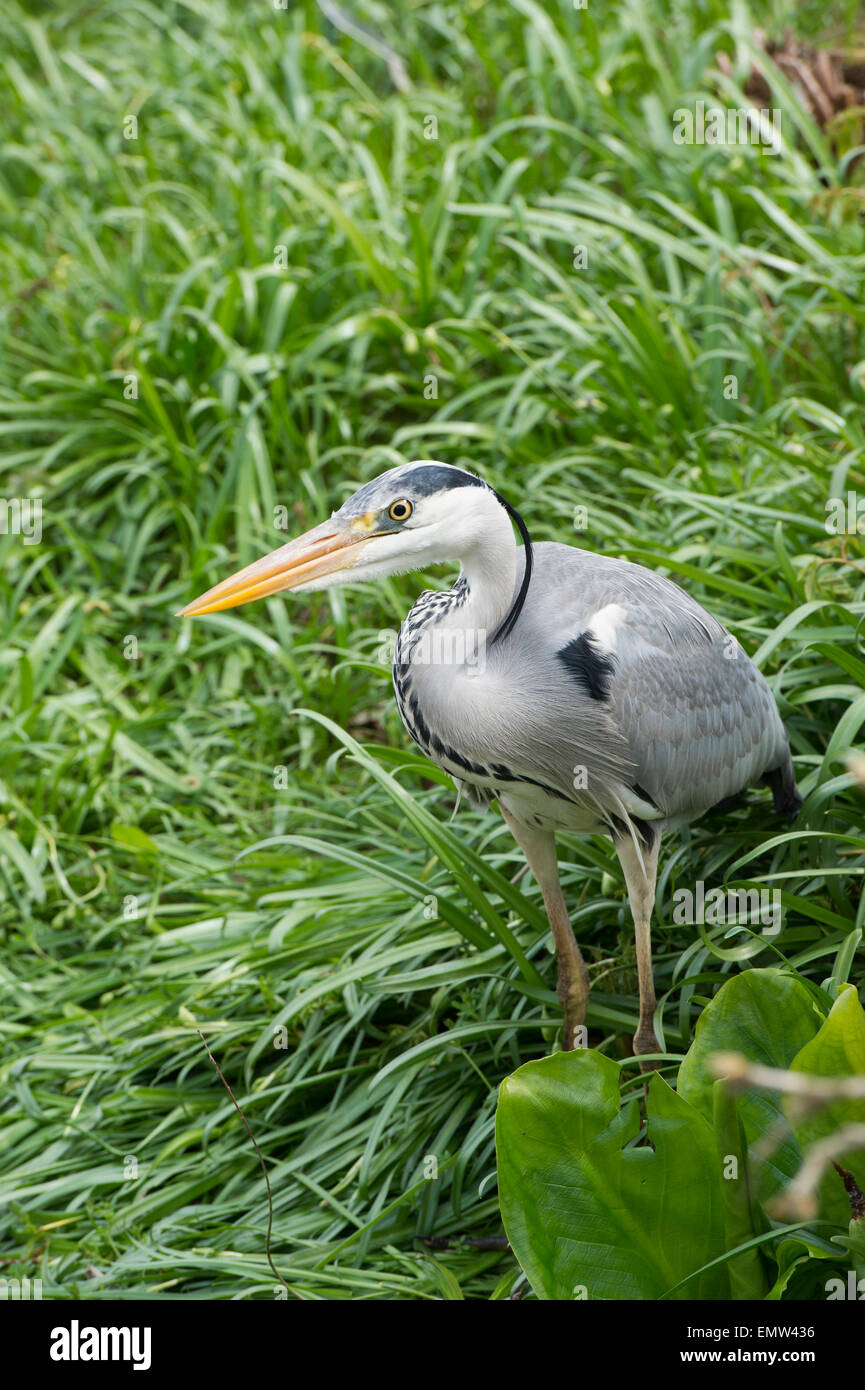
[[572, 986], [640, 881]]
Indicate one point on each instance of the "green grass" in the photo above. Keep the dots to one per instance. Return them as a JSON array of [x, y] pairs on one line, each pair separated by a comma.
[[159, 874]]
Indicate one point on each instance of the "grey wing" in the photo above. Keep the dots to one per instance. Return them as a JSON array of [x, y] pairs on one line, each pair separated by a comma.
[[699, 720]]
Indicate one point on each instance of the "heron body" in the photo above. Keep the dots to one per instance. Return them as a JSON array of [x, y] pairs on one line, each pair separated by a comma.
[[614, 696], [582, 693]]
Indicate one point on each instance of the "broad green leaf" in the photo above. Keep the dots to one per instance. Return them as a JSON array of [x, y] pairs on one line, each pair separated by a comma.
[[742, 1216], [588, 1216], [768, 1016], [837, 1050]]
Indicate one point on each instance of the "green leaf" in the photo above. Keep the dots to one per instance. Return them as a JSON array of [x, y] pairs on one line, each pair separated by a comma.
[[588, 1216], [795, 1250], [837, 1050], [133, 838], [854, 1244], [446, 1280], [742, 1216], [10, 845], [768, 1016]]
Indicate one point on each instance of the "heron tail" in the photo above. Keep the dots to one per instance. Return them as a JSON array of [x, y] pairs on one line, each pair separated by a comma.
[[786, 795]]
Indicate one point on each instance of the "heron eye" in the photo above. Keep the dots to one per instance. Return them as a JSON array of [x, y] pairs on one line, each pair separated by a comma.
[[400, 511]]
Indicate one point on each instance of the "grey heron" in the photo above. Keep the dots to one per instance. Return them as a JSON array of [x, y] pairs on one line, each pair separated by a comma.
[[581, 692]]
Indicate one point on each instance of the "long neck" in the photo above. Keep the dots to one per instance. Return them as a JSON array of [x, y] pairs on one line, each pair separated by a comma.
[[489, 569], [447, 639]]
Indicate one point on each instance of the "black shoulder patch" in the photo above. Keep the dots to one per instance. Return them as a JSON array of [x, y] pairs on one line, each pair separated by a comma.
[[582, 660]]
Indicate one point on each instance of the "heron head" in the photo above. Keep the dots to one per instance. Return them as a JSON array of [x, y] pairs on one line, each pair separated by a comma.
[[419, 514]]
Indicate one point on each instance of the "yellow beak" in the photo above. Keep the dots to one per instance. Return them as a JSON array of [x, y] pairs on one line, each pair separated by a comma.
[[319, 552]]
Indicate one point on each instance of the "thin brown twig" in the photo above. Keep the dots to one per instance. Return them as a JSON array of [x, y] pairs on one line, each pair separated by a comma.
[[799, 1202], [276, 1272], [813, 1090]]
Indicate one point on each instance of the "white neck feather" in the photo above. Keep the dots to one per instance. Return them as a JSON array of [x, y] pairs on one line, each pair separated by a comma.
[[489, 566]]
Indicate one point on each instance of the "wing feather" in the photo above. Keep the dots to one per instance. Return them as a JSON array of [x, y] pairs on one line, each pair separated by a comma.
[[697, 719]]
